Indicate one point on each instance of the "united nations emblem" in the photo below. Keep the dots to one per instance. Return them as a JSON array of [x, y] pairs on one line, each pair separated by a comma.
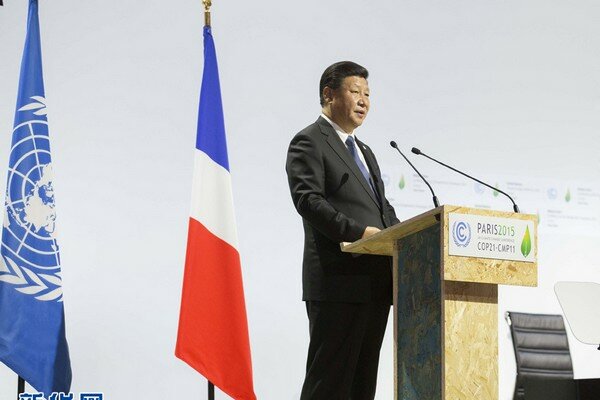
[[30, 253], [461, 233]]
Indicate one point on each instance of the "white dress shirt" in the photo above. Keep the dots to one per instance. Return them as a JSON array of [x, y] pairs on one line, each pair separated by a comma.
[[343, 135]]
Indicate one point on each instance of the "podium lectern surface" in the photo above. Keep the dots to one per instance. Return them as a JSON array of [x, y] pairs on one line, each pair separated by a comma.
[[445, 302]]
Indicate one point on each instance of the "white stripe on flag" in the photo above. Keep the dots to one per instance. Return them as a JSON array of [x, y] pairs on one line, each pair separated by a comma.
[[212, 199]]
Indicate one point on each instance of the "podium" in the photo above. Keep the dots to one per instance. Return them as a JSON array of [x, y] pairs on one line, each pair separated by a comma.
[[447, 265]]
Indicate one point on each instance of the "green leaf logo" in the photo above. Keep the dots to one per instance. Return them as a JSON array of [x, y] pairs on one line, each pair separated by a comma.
[[495, 192], [402, 182], [526, 243], [568, 196]]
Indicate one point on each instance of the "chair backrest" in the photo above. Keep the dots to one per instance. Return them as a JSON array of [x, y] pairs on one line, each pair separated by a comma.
[[541, 345]]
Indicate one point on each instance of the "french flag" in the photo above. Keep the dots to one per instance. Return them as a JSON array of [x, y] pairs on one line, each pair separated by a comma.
[[213, 329]]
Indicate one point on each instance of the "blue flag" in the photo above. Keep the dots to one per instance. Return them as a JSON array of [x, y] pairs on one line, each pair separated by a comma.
[[32, 322]]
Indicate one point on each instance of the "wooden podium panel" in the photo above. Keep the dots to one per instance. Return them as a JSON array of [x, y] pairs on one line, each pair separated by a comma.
[[445, 307], [418, 311], [470, 340]]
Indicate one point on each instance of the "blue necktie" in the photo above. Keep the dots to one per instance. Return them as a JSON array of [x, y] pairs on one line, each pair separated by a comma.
[[352, 148]]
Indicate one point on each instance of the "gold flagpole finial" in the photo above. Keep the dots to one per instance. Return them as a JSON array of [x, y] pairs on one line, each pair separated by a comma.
[[207, 4]]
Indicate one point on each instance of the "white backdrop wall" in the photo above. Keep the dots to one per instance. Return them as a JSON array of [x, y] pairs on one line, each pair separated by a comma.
[[502, 89]]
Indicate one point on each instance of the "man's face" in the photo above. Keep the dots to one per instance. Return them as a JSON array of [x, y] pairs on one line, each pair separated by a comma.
[[349, 103]]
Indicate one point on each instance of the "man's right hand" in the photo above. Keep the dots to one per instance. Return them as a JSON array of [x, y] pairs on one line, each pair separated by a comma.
[[371, 230]]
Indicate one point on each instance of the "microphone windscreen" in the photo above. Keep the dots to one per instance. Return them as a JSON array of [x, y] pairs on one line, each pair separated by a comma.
[[393, 144], [416, 151]]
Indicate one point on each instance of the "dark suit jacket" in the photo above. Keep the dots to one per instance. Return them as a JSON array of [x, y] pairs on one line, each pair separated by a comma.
[[336, 205]]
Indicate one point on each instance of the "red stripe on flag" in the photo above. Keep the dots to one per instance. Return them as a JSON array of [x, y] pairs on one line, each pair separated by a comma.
[[213, 330]]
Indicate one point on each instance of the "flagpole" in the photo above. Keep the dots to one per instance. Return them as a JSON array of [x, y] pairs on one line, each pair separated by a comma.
[[211, 391], [20, 387], [207, 4]]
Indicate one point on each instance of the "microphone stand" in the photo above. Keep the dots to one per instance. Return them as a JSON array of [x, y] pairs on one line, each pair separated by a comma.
[[435, 199], [419, 152]]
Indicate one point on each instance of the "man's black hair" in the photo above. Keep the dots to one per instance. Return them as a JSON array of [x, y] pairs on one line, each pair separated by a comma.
[[335, 74]]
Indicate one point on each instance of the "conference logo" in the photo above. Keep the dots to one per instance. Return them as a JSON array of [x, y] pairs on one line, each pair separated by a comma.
[[526, 243], [478, 187], [402, 183], [461, 233], [30, 256], [386, 179]]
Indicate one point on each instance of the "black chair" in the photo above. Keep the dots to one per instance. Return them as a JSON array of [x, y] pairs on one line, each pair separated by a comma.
[[544, 366]]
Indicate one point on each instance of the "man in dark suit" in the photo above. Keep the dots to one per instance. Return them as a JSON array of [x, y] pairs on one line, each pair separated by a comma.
[[336, 187]]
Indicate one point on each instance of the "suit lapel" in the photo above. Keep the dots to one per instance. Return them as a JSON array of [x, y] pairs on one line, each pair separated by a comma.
[[370, 159], [342, 151]]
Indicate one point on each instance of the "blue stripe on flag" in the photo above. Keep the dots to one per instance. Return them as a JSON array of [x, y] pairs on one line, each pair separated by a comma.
[[211, 129]]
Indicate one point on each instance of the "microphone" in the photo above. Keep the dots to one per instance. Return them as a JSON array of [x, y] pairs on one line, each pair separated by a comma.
[[343, 181], [435, 200], [419, 152]]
